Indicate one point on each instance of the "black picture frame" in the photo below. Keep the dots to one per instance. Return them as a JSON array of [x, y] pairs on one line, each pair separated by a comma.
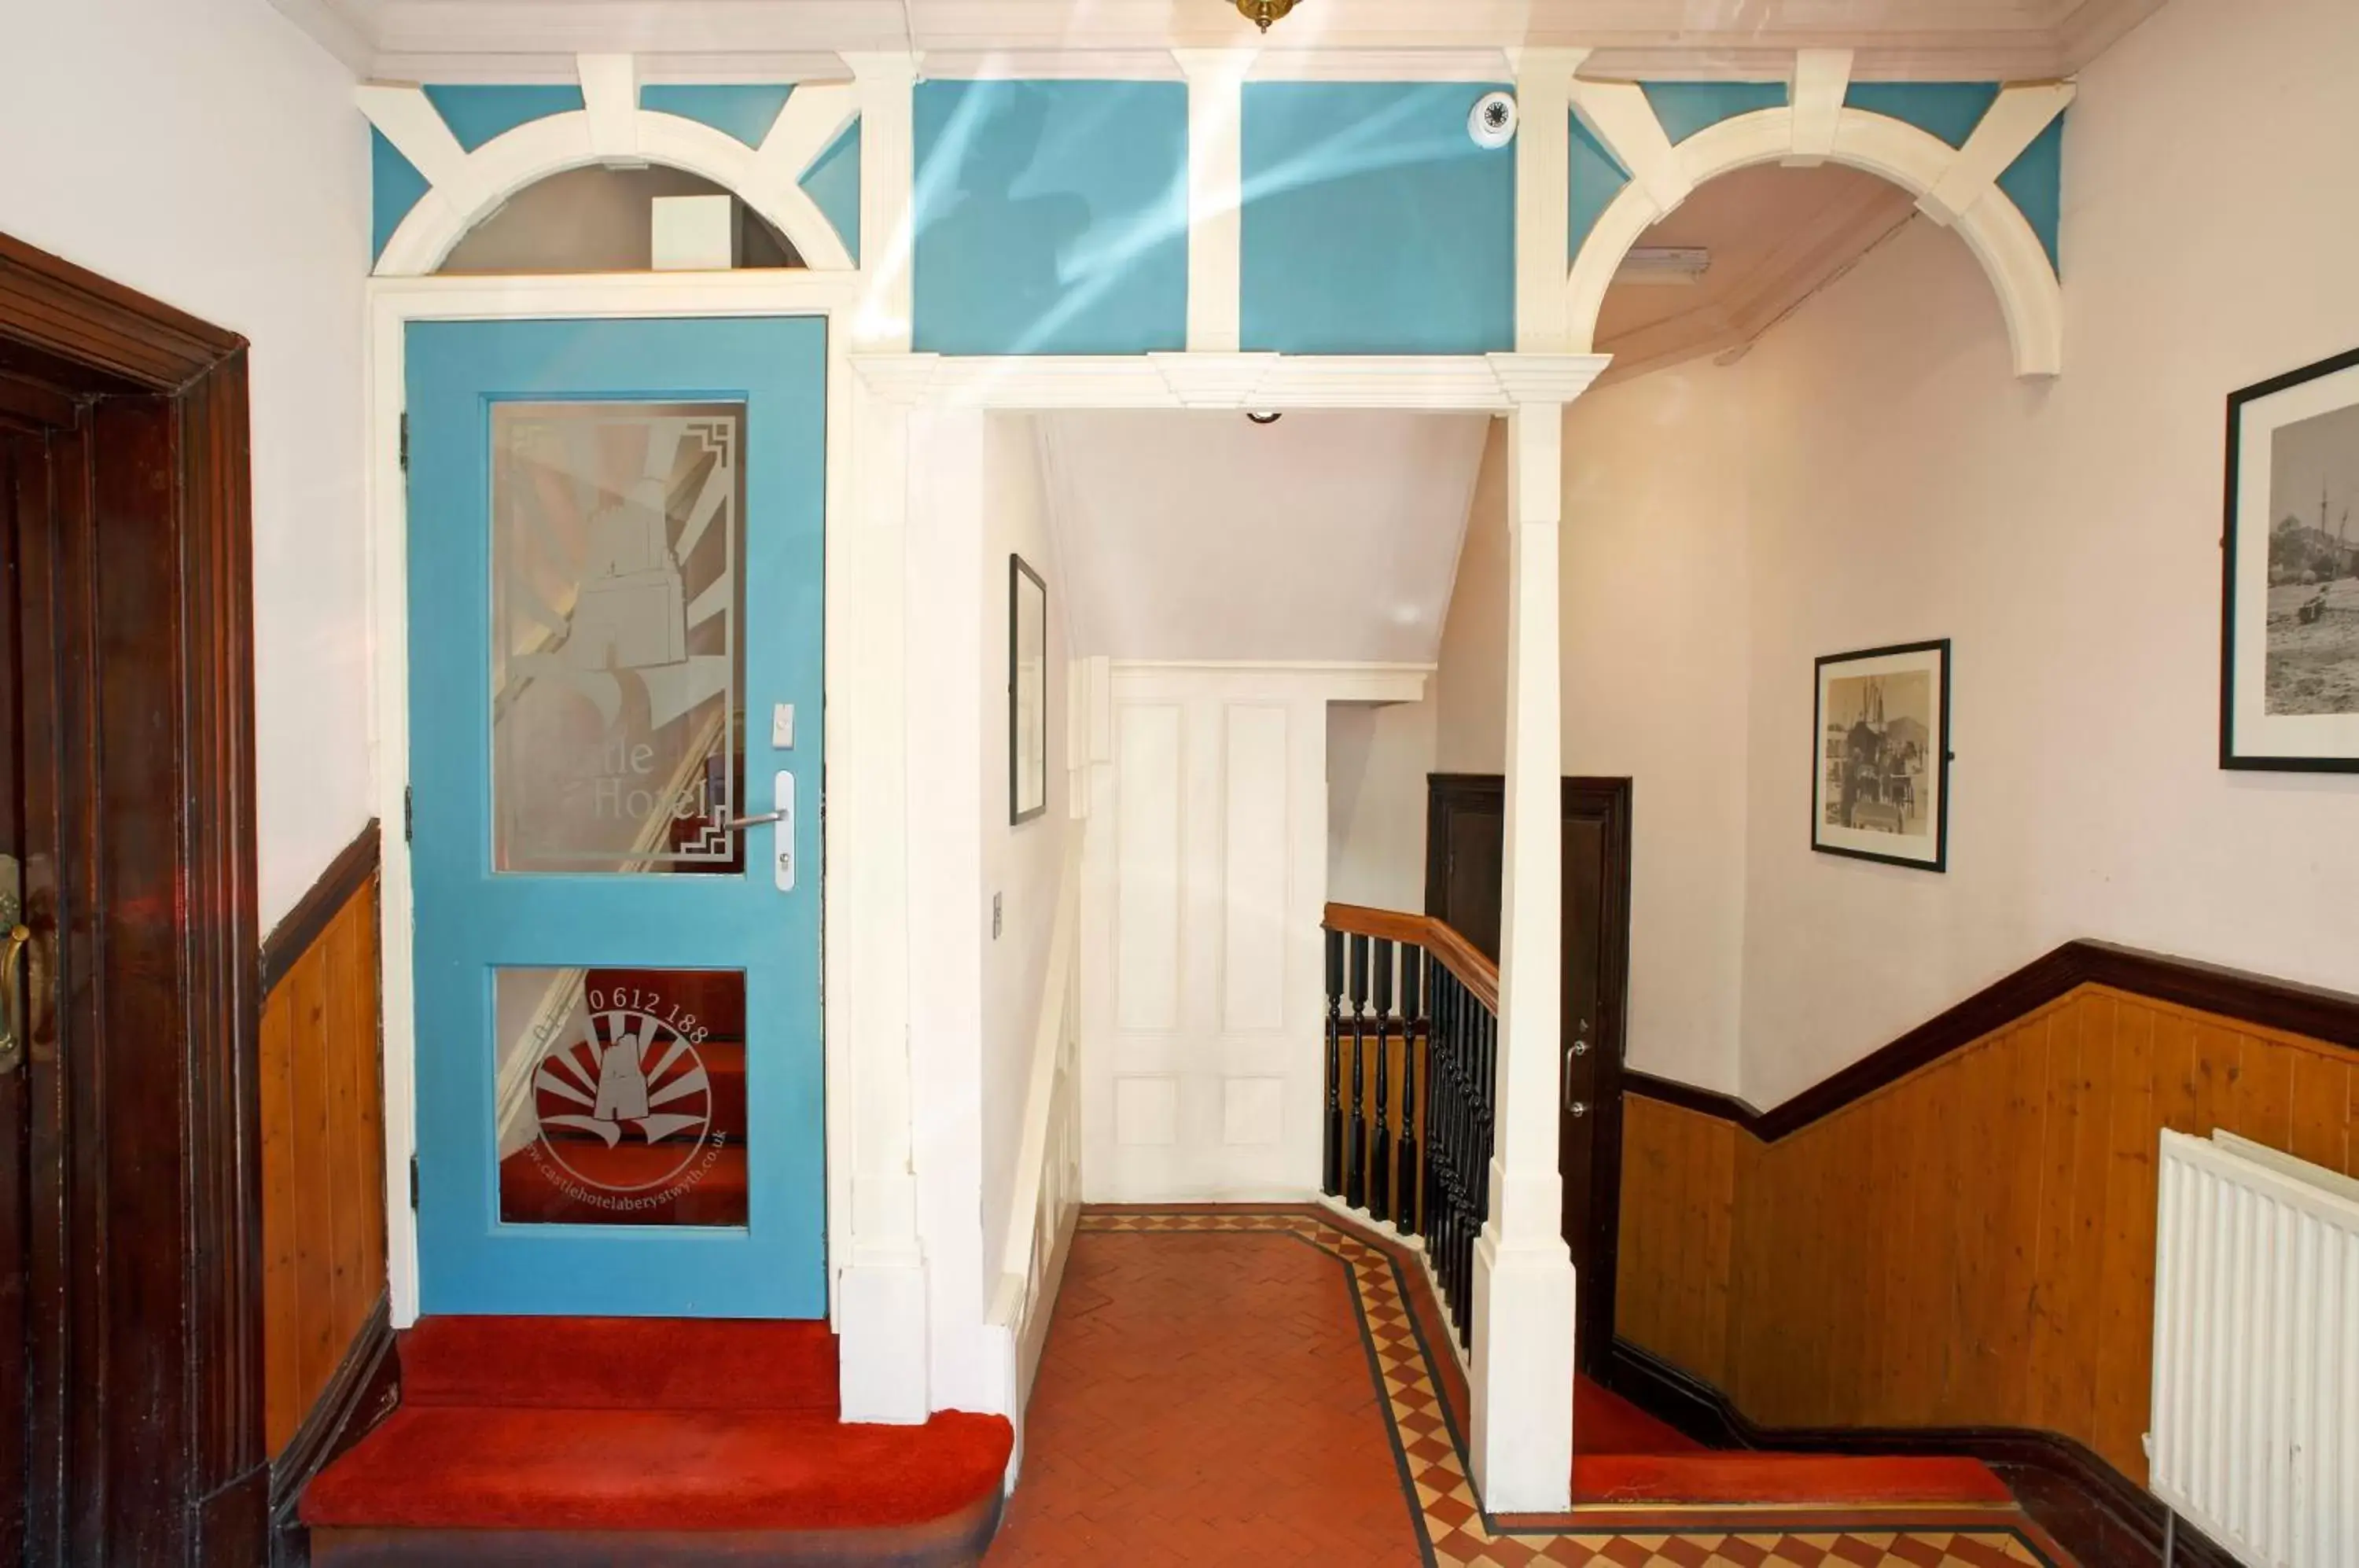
[[1938, 756], [2233, 757], [1027, 683]]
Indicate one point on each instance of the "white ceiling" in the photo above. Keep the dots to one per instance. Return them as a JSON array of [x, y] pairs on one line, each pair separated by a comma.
[[1776, 235], [524, 39], [1326, 536]]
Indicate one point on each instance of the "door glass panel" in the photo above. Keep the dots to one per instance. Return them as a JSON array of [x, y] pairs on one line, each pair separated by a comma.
[[617, 660], [622, 1096]]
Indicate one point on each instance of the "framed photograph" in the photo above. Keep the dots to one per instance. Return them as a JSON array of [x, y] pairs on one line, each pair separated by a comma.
[[1028, 692], [1881, 789], [2290, 596]]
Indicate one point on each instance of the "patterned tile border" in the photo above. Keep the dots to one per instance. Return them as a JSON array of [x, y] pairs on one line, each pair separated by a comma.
[[1454, 1530]]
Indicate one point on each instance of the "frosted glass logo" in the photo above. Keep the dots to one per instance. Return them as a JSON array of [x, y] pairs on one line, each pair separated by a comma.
[[625, 1107]]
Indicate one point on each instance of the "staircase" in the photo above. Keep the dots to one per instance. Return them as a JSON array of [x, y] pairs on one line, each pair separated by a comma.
[[1411, 1061], [595, 1441]]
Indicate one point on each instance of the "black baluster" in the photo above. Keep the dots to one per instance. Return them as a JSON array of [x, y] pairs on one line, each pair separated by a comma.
[[1405, 1181], [1355, 1163], [1332, 1169], [1441, 1120], [1380, 1160]]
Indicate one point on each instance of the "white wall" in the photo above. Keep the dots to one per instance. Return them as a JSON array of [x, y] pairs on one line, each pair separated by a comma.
[[1022, 864], [1872, 473], [206, 153], [1377, 758], [2067, 537], [1654, 582]]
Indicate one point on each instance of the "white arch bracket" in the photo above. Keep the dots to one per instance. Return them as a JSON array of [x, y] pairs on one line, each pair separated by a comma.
[[1957, 187], [464, 188]]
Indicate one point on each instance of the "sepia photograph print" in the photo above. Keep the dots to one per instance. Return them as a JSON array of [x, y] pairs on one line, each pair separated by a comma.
[[2289, 681], [1881, 790]]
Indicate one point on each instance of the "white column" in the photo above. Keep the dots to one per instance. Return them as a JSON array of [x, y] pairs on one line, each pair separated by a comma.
[[1215, 196], [1544, 198], [1522, 1382], [887, 84], [881, 1292]]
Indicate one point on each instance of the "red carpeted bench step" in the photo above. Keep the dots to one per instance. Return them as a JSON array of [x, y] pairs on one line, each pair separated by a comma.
[[629, 1364], [457, 1467], [1749, 1478]]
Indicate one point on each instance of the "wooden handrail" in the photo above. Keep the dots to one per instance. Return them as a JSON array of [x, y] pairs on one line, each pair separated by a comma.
[[1448, 946]]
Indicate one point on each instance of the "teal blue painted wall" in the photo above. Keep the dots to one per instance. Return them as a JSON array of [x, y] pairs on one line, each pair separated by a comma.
[[1950, 110], [1598, 177], [834, 182], [1687, 107], [743, 110], [395, 187], [1372, 224], [1051, 217], [2035, 183], [479, 115]]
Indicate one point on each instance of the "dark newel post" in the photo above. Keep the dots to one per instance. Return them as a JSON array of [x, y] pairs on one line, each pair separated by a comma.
[[1380, 1160], [1405, 1184], [1333, 1170], [1355, 1155]]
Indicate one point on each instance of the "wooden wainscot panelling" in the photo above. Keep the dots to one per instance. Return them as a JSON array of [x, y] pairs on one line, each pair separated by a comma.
[[1965, 1240], [322, 1140]]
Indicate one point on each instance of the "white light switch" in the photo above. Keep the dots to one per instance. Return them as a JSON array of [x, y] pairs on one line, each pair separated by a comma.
[[782, 726]]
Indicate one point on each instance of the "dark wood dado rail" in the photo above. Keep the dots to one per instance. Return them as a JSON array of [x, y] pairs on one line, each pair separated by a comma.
[[2313, 1012], [1950, 1245], [1443, 943]]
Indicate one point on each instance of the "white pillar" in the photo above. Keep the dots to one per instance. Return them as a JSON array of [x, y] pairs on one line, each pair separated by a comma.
[[881, 1291], [1215, 196], [1523, 1366], [1544, 198]]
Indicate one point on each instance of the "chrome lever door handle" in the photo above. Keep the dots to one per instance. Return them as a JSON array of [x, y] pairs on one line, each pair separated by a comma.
[[739, 825]]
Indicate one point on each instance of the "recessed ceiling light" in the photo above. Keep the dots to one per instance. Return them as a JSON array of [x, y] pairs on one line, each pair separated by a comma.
[[1265, 416]]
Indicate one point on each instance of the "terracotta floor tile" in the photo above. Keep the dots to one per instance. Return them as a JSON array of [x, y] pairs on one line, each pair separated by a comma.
[[1209, 1396]]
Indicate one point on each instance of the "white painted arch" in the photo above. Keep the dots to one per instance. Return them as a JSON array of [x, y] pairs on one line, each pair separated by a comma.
[[1954, 186], [465, 188]]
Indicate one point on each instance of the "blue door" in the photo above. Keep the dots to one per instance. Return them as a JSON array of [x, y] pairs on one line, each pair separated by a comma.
[[616, 596]]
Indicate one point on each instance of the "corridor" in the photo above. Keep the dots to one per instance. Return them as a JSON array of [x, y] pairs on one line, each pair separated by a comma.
[[1269, 1385]]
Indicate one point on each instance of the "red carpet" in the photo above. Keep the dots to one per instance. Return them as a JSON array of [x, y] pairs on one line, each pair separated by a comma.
[[557, 1424], [632, 1364], [1624, 1455], [1605, 1422]]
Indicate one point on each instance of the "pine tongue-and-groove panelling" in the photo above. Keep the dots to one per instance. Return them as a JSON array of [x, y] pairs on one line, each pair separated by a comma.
[[1971, 1245], [322, 1162]]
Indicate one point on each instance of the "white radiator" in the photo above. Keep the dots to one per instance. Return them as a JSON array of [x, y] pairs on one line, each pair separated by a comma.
[[2256, 1434]]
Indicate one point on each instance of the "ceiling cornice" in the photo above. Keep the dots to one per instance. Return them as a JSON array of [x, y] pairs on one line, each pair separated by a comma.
[[1461, 39]]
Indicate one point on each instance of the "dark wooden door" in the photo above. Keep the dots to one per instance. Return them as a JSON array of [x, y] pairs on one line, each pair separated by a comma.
[[1466, 830], [130, 1261], [24, 500]]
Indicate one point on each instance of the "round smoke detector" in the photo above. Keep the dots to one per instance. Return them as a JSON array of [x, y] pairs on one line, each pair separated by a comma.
[[1493, 122]]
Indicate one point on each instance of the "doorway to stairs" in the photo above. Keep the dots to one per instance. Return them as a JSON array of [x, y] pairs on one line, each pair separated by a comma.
[[1465, 824]]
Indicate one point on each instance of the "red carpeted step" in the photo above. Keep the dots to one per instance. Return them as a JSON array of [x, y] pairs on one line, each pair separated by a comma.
[[628, 1364], [1754, 1477], [1605, 1422], [463, 1467]]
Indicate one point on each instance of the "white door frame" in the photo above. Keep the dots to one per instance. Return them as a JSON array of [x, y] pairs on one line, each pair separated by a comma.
[[393, 304]]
